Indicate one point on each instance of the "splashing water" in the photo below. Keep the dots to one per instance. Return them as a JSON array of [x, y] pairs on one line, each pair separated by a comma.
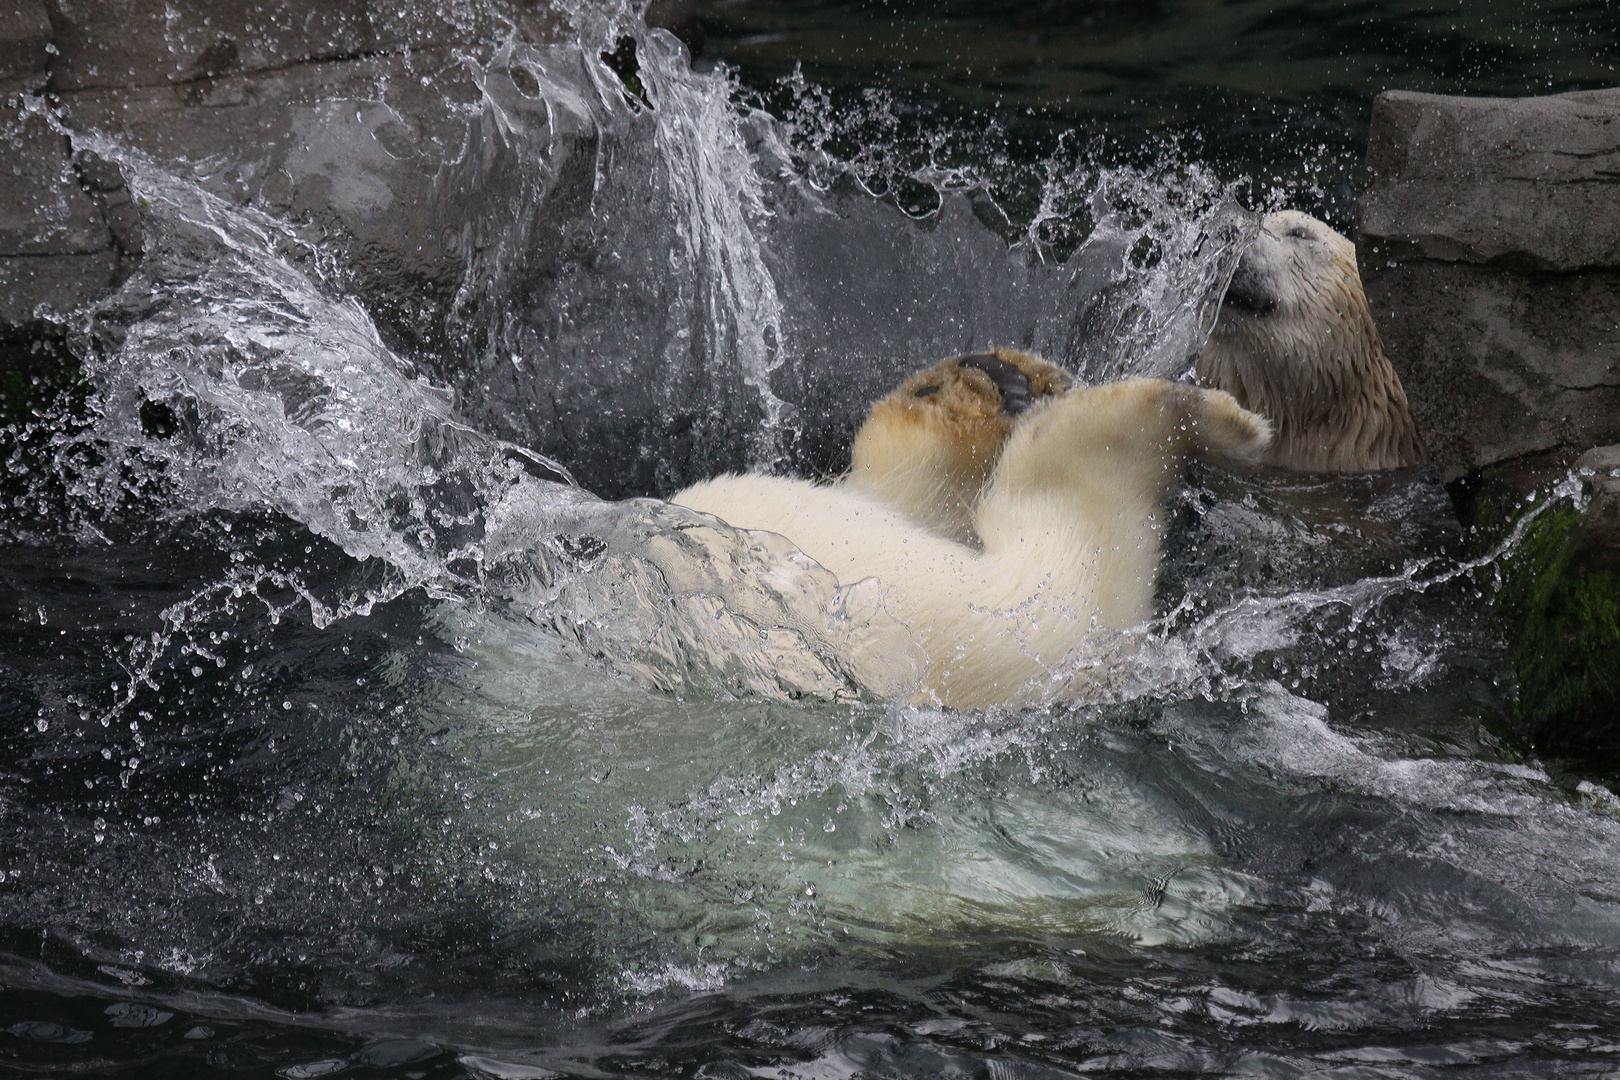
[[362, 705]]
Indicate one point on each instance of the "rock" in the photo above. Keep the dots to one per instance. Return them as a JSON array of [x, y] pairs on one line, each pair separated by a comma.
[[343, 115], [1597, 536], [55, 248], [25, 31], [1553, 573], [1601, 460], [43, 211], [47, 287], [106, 43], [1490, 250], [355, 149], [1522, 182], [132, 43]]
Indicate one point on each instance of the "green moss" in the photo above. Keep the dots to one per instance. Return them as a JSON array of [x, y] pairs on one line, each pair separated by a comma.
[[1562, 618], [1568, 662]]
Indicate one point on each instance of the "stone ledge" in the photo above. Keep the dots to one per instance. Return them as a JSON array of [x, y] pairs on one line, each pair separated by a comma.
[[1530, 183], [354, 145], [1490, 251], [137, 42], [1498, 364]]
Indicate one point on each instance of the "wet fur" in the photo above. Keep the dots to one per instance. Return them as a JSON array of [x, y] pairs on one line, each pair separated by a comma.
[[1296, 343], [928, 447], [1068, 523]]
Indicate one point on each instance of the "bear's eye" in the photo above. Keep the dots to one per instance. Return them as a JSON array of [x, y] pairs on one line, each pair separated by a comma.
[[925, 391], [1300, 232]]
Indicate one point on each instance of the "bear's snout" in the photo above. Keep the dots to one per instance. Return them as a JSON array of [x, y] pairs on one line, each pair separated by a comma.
[[1252, 289]]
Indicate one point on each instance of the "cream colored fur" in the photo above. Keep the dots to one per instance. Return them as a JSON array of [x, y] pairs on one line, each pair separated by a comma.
[[1296, 343], [930, 456], [1069, 520]]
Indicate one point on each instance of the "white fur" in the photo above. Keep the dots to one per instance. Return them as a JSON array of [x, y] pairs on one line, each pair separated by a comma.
[[1069, 524]]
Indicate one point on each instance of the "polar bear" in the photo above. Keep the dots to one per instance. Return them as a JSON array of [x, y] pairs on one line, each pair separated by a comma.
[[928, 447], [1061, 536], [1295, 342]]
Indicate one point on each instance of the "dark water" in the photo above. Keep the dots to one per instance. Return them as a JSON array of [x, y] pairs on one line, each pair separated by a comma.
[[340, 738], [1274, 96]]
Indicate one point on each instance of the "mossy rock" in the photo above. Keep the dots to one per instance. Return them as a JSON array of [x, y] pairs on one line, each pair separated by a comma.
[[1562, 612]]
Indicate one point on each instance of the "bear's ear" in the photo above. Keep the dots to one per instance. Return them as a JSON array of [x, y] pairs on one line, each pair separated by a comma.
[[1221, 428]]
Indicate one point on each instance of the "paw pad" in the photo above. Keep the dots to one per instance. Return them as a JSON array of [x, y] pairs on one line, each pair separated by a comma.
[[1013, 384]]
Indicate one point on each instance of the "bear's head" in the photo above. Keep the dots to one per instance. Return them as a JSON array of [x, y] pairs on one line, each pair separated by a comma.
[[1296, 343]]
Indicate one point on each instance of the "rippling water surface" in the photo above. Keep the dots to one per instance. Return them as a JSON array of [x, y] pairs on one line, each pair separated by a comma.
[[347, 728]]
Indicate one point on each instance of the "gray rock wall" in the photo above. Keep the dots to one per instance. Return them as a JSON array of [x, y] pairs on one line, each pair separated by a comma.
[[247, 84], [1490, 250]]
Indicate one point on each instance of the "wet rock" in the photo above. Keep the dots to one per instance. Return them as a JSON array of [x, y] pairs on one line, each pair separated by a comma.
[[37, 288], [25, 31], [104, 43], [130, 43], [342, 116], [105, 185], [55, 248], [43, 211], [353, 149], [1556, 581], [1490, 250], [1597, 536], [1526, 182]]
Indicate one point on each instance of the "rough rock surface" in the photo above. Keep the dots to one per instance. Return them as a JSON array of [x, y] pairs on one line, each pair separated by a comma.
[[1597, 538], [25, 31], [1490, 250], [250, 84], [55, 247], [388, 135]]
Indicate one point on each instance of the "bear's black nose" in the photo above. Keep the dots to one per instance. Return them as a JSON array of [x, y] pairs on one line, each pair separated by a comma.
[[1251, 289], [1012, 383]]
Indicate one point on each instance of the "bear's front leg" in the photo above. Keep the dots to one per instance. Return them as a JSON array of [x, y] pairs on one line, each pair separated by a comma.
[[1077, 495]]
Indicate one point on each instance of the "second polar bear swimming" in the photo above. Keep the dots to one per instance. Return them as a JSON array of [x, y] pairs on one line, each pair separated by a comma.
[[1007, 516], [1296, 342]]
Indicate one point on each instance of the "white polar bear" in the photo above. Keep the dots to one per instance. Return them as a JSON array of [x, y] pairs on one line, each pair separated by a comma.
[[1006, 518], [1296, 343]]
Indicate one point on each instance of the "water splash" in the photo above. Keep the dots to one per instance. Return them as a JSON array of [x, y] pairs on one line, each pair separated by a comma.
[[617, 272], [650, 751]]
